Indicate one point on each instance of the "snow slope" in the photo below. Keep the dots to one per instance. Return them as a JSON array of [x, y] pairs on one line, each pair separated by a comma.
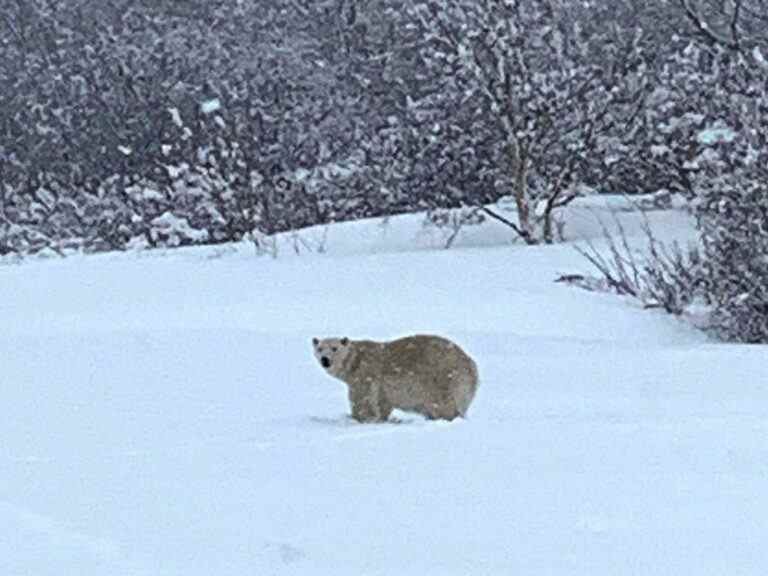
[[163, 415]]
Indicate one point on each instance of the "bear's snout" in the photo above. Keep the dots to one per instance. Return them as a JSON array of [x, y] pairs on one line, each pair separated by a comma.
[[325, 361]]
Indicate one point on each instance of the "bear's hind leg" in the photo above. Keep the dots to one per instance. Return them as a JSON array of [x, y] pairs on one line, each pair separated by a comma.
[[383, 404], [438, 412]]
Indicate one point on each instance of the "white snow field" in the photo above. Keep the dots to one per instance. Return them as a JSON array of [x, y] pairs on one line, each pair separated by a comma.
[[162, 415]]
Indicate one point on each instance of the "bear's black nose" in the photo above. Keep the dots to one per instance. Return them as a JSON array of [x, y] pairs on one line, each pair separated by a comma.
[[325, 362]]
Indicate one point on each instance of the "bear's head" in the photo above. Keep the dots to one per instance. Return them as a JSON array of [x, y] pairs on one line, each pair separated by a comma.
[[331, 352]]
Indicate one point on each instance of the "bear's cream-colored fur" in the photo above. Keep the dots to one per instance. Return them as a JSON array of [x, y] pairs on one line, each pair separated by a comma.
[[425, 374]]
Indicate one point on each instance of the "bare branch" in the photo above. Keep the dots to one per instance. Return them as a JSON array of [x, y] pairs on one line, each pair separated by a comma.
[[705, 30], [524, 234]]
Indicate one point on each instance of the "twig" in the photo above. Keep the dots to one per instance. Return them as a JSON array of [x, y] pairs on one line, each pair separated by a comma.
[[520, 232]]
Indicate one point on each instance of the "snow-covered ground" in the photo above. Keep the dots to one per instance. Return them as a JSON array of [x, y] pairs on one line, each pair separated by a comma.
[[163, 415]]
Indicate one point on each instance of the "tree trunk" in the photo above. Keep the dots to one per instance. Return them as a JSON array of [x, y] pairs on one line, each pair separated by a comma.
[[519, 164]]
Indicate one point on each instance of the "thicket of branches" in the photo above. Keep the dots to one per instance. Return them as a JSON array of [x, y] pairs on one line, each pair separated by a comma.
[[153, 123], [130, 124], [731, 199], [718, 86]]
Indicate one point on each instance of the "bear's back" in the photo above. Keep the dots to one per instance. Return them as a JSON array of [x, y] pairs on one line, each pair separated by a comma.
[[426, 370], [425, 351]]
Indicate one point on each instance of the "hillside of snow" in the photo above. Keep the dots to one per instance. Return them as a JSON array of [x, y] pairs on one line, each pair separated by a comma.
[[163, 415]]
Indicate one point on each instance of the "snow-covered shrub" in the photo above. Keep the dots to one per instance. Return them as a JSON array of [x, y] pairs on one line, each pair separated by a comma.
[[16, 239], [150, 112], [658, 275], [117, 113], [723, 281], [710, 112], [734, 223], [732, 207], [450, 222], [730, 192], [171, 230], [542, 85]]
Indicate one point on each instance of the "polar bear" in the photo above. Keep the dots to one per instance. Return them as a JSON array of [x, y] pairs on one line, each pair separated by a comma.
[[425, 374]]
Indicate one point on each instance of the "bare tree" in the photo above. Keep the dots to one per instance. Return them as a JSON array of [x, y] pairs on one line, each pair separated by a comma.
[[548, 89]]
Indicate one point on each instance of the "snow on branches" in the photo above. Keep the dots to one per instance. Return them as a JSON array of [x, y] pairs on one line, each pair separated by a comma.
[[551, 91]]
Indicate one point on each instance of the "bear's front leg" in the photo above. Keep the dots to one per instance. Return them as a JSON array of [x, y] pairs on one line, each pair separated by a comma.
[[365, 412], [368, 404]]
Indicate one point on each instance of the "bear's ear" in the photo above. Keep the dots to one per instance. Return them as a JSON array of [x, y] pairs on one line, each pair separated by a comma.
[[315, 341], [344, 341]]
